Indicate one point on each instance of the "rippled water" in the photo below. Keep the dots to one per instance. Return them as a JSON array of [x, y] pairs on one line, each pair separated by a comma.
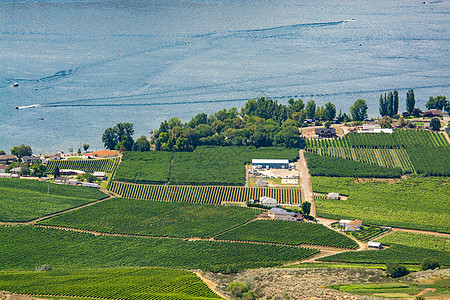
[[91, 64]]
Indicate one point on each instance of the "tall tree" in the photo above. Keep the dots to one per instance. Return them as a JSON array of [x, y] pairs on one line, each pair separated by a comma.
[[383, 106], [141, 144], [438, 102], [310, 109], [330, 111], [395, 112], [358, 110], [435, 124], [119, 136], [390, 103], [410, 101], [85, 147]]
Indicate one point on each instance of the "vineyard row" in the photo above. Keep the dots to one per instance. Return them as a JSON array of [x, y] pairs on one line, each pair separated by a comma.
[[86, 165], [204, 194]]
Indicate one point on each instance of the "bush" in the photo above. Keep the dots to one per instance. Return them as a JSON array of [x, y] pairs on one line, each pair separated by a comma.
[[237, 289], [429, 264], [250, 295], [395, 270], [43, 268]]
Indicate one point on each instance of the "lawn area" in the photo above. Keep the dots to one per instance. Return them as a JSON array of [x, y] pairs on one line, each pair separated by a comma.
[[24, 200], [126, 283], [289, 233], [144, 217], [25, 247], [411, 203]]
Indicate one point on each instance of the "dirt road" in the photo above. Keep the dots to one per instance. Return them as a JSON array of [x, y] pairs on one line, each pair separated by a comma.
[[305, 182]]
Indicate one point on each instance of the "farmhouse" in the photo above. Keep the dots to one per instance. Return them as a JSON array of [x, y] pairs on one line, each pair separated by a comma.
[[270, 163], [6, 159], [325, 132], [375, 245], [267, 201], [283, 215], [333, 196], [3, 169], [435, 113], [375, 128], [106, 153], [30, 159], [354, 225]]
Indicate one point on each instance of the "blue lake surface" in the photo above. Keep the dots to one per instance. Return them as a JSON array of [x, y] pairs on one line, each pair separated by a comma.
[[91, 64]]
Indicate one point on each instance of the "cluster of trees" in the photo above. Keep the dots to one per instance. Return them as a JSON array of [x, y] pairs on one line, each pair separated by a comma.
[[389, 104], [21, 151], [438, 102], [261, 122]]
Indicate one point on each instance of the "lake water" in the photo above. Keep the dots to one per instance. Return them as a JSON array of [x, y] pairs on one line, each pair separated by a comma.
[[91, 64]]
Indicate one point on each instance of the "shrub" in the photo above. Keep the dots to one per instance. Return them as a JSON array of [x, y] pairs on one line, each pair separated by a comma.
[[429, 264], [250, 295], [237, 289], [395, 270]]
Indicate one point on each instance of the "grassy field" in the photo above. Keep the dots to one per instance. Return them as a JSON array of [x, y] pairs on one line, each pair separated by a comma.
[[143, 217], [25, 247], [393, 254], [411, 203], [426, 241], [289, 233], [204, 194], [23, 200], [126, 283]]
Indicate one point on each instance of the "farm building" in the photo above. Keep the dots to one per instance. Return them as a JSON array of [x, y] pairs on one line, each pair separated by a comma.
[[69, 172], [62, 180], [354, 225], [283, 215], [267, 201], [333, 196], [90, 184], [7, 159], [375, 245], [270, 163], [325, 132], [435, 113], [343, 223], [100, 175], [375, 128], [15, 170]]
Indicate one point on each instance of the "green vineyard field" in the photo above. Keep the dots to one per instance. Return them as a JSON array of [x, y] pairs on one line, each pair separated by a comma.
[[426, 241], [86, 165], [25, 247], [133, 284], [289, 233], [419, 151], [204, 194], [25, 200], [153, 218]]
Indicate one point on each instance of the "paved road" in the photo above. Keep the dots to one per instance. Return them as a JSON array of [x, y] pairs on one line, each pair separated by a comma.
[[305, 183]]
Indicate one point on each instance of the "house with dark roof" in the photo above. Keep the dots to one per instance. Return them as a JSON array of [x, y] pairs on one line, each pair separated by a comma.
[[325, 132], [7, 159], [30, 159]]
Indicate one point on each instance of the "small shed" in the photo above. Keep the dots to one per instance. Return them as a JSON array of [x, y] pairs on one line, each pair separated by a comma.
[[100, 175], [375, 245], [267, 201], [334, 196]]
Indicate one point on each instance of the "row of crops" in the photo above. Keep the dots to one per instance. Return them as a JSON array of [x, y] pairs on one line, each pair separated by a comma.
[[204, 194], [86, 165], [205, 166], [427, 241], [418, 151], [390, 158], [65, 250], [142, 283], [289, 233]]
